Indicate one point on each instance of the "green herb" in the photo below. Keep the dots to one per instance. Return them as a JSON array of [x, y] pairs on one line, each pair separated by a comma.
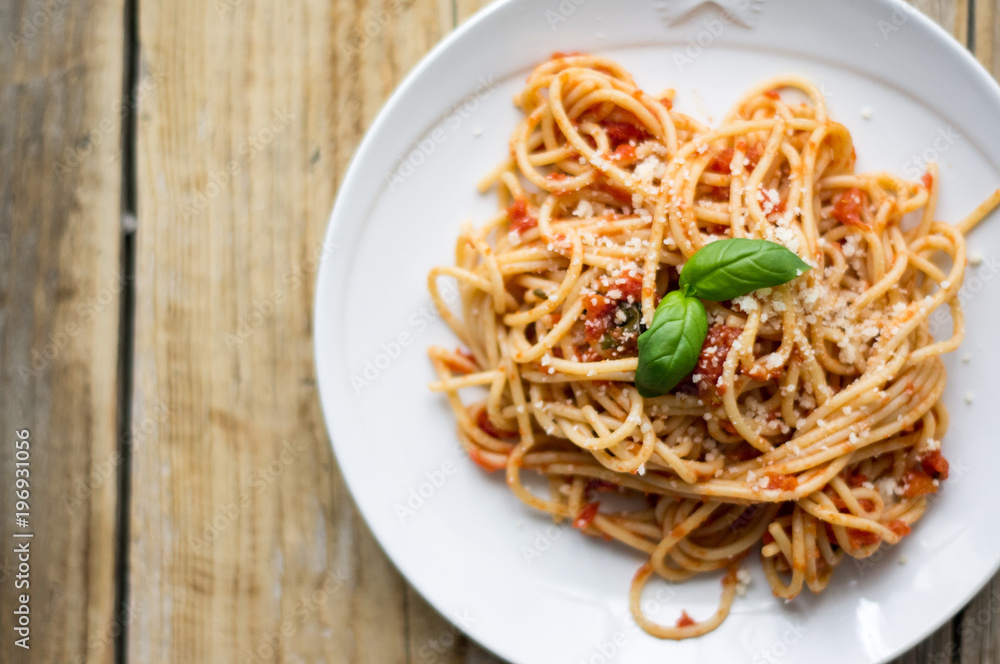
[[721, 270], [730, 268], [669, 349], [629, 327], [540, 294], [633, 317]]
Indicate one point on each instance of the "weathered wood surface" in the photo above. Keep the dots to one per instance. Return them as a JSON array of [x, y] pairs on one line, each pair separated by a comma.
[[60, 238]]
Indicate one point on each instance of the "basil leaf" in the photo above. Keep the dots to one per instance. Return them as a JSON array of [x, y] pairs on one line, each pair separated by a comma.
[[730, 268], [669, 349]]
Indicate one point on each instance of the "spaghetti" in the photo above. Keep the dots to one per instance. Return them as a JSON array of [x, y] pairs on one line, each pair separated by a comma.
[[812, 422]]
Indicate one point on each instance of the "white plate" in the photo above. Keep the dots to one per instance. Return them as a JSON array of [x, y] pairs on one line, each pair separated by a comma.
[[536, 593]]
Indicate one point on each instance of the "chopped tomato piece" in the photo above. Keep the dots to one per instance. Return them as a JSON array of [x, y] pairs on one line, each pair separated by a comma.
[[627, 287], [722, 161], [624, 132], [857, 479], [463, 364], [685, 620], [935, 465], [847, 210], [586, 515], [927, 179], [782, 482], [599, 313], [772, 94], [899, 527], [714, 351], [520, 219], [859, 538], [918, 483], [624, 152]]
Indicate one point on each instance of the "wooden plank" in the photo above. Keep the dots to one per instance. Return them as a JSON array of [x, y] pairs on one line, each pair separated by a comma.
[[245, 545], [979, 628], [952, 15], [987, 34], [60, 238]]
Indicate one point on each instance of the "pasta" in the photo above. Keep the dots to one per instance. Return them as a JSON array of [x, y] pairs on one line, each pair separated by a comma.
[[811, 425]]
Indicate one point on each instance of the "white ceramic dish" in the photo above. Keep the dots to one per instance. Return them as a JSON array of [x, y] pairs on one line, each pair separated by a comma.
[[536, 593]]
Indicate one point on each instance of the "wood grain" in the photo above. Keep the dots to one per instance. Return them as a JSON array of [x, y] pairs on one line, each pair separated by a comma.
[[245, 544], [60, 237], [979, 627]]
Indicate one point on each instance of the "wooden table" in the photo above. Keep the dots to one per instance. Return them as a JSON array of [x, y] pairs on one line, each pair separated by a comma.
[[166, 173]]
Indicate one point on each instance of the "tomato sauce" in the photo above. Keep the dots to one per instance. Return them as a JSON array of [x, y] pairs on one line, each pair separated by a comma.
[[520, 219], [714, 351], [848, 208], [600, 311], [586, 515], [624, 132], [782, 482], [860, 538], [721, 162], [899, 527], [935, 465], [918, 483]]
